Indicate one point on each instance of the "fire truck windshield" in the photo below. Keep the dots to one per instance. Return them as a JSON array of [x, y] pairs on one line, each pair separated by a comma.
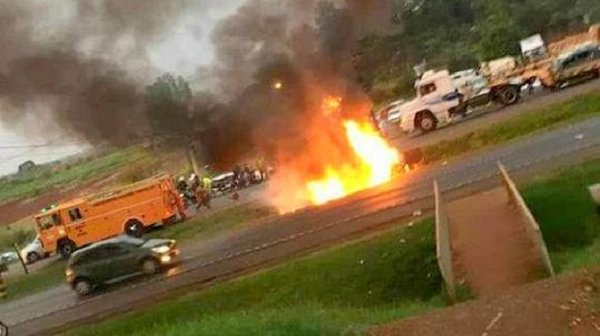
[[49, 221]]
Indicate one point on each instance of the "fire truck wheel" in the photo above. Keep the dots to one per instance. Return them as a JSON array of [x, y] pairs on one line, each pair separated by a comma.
[[134, 228], [32, 257], [66, 247], [150, 266]]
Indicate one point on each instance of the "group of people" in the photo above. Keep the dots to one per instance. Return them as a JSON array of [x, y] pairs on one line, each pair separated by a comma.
[[246, 176], [195, 191]]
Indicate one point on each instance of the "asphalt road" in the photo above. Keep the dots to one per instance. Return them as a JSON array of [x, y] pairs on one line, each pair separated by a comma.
[[272, 241]]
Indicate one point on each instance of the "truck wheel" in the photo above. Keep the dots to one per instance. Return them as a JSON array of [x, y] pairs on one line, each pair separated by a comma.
[[425, 122], [134, 228], [32, 257], [509, 95], [66, 248]]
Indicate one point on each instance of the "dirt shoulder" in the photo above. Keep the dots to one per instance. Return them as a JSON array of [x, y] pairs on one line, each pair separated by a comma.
[[566, 305], [16, 210]]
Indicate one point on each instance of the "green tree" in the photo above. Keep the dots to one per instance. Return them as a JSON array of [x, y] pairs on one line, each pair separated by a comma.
[[169, 106], [498, 30]]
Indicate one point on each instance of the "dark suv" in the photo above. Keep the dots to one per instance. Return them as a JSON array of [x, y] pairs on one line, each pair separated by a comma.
[[116, 259]]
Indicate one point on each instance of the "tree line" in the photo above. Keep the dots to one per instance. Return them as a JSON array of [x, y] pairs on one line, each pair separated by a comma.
[[458, 34]]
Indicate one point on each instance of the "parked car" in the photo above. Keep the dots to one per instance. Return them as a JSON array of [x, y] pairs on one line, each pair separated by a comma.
[[117, 259], [33, 251], [9, 257], [223, 183]]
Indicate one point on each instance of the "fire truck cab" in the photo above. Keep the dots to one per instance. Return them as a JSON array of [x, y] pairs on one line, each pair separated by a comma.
[[67, 226]]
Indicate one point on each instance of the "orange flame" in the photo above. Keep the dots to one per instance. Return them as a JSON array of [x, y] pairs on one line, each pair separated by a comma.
[[331, 104], [376, 163], [347, 154]]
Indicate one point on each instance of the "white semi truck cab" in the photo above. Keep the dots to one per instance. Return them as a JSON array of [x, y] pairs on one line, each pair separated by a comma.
[[440, 97]]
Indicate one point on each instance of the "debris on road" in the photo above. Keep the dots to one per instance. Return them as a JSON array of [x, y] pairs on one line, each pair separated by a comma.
[[492, 323]]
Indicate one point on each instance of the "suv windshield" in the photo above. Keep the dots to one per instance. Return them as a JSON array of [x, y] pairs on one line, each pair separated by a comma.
[[132, 240]]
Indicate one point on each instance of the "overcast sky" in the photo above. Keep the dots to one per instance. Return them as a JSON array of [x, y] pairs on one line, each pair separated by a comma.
[[183, 50]]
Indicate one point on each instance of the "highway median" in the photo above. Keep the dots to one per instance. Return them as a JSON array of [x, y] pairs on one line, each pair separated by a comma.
[[547, 118]]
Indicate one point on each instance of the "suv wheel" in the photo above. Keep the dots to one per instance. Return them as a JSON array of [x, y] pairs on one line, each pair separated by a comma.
[[150, 266], [65, 248], [83, 287], [134, 228], [32, 257]]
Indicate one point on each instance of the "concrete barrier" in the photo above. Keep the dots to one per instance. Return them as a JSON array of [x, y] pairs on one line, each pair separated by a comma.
[[443, 246], [532, 227]]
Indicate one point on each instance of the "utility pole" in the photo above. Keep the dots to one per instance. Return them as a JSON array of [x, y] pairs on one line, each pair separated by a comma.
[[192, 159], [25, 269]]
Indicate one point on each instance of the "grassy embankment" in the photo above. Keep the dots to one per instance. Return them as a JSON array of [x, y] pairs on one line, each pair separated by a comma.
[[556, 115], [46, 177], [339, 291], [567, 215]]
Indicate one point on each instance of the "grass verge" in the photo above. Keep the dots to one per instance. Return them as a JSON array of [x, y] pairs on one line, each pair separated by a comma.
[[337, 292], [204, 225], [567, 215], [578, 108], [25, 285], [20, 233]]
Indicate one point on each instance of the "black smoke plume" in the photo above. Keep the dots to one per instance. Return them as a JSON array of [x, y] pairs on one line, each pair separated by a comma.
[[82, 72]]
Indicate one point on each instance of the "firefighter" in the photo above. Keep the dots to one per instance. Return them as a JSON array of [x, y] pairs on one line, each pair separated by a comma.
[[207, 183], [237, 176], [194, 182], [203, 194], [181, 184]]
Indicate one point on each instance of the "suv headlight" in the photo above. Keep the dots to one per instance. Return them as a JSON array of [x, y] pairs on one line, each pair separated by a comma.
[[161, 249]]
